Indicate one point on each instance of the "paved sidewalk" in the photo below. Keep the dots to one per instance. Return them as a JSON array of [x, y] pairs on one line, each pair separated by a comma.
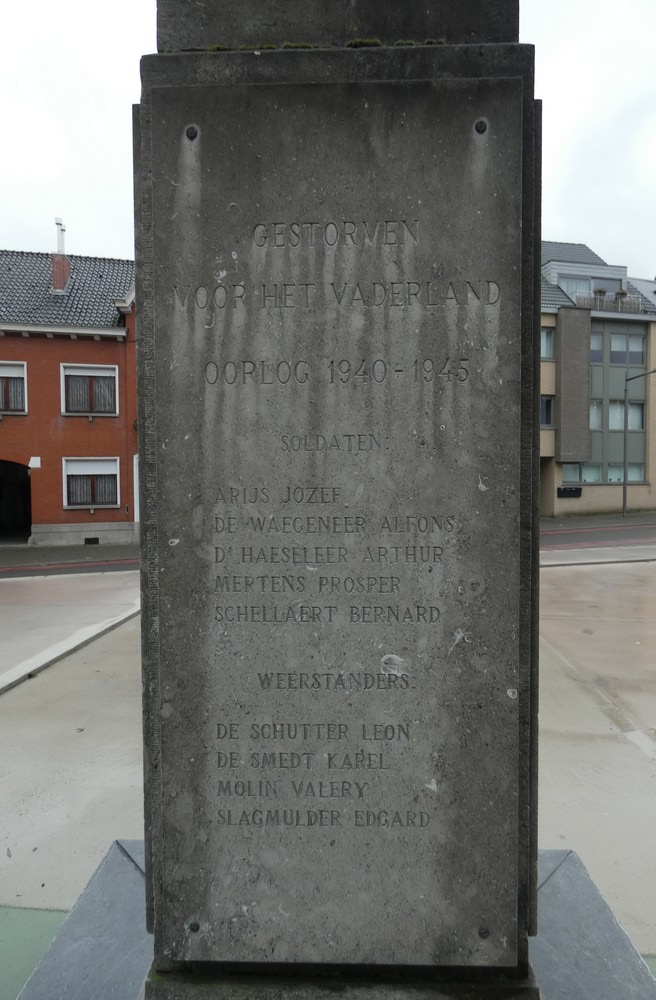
[[44, 618], [597, 555], [575, 521]]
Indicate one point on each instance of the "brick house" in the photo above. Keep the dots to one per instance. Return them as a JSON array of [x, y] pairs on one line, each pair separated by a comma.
[[68, 438]]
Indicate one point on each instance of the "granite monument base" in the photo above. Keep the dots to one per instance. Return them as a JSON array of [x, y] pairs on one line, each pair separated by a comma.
[[104, 951], [190, 987]]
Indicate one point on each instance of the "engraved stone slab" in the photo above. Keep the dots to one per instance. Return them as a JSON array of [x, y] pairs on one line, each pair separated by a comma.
[[332, 523]]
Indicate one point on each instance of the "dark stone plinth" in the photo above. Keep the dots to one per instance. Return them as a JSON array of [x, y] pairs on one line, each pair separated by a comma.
[[103, 951], [581, 951], [205, 24], [160, 987]]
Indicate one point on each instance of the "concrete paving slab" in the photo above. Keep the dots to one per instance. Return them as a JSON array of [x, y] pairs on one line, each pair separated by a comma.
[[44, 618], [70, 742], [603, 623], [597, 796], [597, 792]]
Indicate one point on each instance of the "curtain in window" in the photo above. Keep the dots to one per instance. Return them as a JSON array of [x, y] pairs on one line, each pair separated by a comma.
[[595, 415], [546, 343], [77, 394], [615, 416], [636, 417], [88, 491], [105, 489], [103, 394], [79, 490], [15, 394]]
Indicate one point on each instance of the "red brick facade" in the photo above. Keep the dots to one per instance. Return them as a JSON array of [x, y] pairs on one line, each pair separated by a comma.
[[44, 436]]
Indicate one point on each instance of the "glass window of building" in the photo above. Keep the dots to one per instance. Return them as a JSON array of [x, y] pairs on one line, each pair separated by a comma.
[[571, 472], [574, 286], [636, 416], [546, 411], [546, 342], [635, 473], [596, 412], [636, 350], [618, 349], [596, 347], [616, 415], [590, 473]]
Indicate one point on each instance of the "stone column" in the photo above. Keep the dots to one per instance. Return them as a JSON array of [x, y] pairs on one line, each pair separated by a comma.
[[336, 288]]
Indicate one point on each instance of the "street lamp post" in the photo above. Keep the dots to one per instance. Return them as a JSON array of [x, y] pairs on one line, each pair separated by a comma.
[[629, 378]]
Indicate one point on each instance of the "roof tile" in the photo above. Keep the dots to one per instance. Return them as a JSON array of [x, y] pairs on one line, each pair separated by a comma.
[[26, 294], [569, 253]]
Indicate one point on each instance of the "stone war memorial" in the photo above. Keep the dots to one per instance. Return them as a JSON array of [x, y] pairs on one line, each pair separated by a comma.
[[337, 220]]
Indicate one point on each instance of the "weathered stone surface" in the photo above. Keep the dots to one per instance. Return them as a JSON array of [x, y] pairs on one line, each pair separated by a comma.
[[335, 378], [208, 23], [189, 987]]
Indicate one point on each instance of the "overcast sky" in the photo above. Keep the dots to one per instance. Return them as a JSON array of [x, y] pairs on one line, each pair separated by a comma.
[[69, 75]]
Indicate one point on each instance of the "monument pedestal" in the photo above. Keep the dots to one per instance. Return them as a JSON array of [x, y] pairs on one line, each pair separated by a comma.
[[189, 987]]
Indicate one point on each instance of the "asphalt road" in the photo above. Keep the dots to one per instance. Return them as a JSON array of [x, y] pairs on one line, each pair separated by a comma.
[[57, 560], [589, 535], [564, 533]]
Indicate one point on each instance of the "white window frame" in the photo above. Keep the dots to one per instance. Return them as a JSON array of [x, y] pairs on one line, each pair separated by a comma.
[[15, 369], [73, 465], [89, 370]]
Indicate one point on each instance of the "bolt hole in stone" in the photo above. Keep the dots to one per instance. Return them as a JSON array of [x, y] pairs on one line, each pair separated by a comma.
[[194, 926], [481, 126], [483, 932], [192, 132]]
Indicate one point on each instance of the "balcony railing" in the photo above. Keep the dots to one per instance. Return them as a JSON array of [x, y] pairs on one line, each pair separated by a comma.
[[610, 303]]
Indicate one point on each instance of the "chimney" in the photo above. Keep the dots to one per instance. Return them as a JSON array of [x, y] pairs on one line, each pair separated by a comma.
[[61, 267]]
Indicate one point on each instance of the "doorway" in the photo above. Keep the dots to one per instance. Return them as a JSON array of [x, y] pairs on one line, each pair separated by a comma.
[[15, 502]]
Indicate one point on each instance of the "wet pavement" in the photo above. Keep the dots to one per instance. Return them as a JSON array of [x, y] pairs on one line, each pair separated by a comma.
[[597, 775], [73, 733], [43, 618]]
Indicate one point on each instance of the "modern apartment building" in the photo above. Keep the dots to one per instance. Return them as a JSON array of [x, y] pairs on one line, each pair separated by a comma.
[[68, 439], [597, 422]]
